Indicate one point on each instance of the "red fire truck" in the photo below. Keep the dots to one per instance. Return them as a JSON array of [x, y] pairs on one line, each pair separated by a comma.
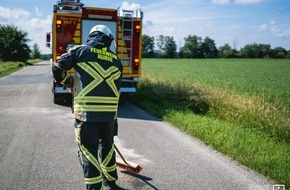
[[71, 24]]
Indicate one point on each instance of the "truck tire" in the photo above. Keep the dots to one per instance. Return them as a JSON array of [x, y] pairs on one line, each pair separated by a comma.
[[56, 98]]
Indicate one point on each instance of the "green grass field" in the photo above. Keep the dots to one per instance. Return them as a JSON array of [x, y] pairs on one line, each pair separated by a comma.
[[9, 67], [266, 78], [240, 107]]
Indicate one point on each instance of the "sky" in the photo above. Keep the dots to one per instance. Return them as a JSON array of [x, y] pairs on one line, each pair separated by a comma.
[[235, 22]]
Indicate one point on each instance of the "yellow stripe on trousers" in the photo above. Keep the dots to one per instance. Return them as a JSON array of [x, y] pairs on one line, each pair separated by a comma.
[[105, 168]]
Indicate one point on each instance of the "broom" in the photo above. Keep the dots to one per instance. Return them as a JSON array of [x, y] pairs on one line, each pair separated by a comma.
[[129, 166]]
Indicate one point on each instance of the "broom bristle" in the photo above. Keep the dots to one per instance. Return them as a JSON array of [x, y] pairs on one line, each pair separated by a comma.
[[131, 166]]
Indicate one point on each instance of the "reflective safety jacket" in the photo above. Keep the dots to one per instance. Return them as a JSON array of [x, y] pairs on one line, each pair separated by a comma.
[[96, 81]]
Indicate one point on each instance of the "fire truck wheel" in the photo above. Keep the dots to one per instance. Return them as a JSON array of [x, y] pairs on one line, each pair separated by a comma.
[[56, 98], [125, 97]]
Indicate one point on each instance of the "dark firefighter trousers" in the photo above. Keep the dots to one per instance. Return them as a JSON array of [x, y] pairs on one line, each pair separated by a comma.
[[96, 139]]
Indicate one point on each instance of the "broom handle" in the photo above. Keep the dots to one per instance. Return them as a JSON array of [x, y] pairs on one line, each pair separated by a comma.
[[122, 157]]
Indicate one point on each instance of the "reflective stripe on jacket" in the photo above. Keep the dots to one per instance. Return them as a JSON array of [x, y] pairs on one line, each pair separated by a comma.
[[83, 102], [97, 81]]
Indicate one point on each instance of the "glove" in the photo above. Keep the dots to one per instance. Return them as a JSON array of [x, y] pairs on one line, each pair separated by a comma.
[[68, 80]]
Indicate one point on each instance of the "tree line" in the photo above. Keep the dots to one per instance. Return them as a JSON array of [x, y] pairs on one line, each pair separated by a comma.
[[197, 47], [14, 47]]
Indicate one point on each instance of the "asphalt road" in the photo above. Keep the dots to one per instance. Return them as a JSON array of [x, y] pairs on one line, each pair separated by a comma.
[[38, 151]]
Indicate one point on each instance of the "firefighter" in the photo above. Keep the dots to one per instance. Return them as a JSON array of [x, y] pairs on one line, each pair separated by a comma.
[[95, 86]]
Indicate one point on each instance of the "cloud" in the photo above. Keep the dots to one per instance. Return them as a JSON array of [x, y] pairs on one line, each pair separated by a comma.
[[248, 1], [127, 6], [147, 24], [263, 27], [35, 25], [220, 1], [7, 15], [38, 12], [274, 29], [132, 7], [182, 18]]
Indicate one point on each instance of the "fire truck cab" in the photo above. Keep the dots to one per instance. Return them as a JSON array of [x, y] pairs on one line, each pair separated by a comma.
[[71, 24]]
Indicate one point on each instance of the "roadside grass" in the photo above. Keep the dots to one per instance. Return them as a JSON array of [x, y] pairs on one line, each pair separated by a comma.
[[9, 67], [242, 114], [255, 150]]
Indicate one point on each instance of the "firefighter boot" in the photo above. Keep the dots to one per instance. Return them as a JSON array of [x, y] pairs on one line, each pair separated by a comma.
[[111, 185]]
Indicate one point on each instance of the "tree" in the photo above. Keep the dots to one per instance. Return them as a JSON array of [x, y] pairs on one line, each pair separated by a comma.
[[192, 47], [35, 53], [288, 54], [208, 48], [264, 50], [226, 51], [161, 42], [278, 53], [13, 44], [147, 46], [249, 51], [255, 51], [167, 46], [170, 47]]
